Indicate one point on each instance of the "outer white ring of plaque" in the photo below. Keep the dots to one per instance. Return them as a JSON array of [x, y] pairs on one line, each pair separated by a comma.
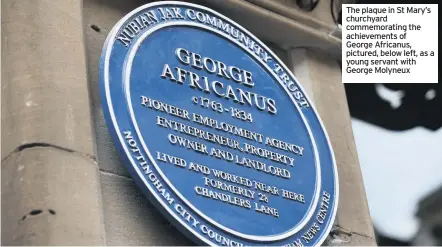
[[109, 44]]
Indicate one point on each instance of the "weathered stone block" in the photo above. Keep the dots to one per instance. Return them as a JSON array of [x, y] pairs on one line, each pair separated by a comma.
[[50, 197], [45, 96], [331, 102], [131, 220]]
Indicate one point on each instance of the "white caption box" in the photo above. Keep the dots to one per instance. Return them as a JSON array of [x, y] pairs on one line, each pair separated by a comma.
[[390, 43]]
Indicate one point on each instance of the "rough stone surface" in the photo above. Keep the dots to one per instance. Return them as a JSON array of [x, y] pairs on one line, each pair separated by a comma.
[[130, 218], [330, 101], [50, 184], [49, 197], [345, 239], [103, 14], [45, 95], [300, 65]]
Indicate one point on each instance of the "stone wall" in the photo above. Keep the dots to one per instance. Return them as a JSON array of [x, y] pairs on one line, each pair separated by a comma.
[[62, 179]]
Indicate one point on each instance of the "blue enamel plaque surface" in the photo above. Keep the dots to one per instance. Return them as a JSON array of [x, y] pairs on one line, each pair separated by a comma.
[[216, 130]]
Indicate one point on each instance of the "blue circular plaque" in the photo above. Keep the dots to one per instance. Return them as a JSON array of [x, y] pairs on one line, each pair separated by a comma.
[[215, 129]]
